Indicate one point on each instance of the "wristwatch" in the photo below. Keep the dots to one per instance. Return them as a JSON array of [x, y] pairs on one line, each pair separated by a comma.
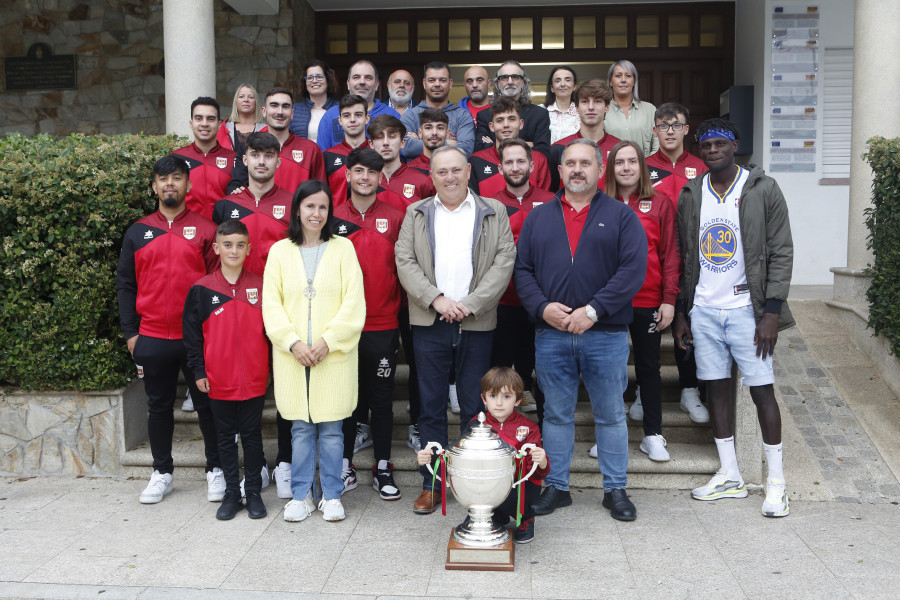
[[591, 313]]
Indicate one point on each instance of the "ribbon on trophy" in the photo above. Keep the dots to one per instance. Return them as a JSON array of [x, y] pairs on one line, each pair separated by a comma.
[[520, 467], [442, 459]]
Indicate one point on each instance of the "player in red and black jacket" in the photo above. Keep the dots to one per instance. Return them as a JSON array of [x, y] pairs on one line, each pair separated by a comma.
[[400, 185], [485, 178], [628, 180], [262, 206], [353, 117], [592, 100], [210, 164], [672, 166], [228, 352], [373, 226], [162, 255]]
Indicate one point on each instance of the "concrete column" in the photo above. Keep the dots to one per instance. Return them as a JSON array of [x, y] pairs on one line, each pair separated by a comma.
[[876, 78], [190, 58]]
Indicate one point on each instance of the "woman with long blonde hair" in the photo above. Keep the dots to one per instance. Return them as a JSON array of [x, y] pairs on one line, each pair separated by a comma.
[[245, 118]]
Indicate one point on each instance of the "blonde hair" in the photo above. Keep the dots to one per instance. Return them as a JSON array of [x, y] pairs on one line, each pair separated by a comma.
[[235, 115]]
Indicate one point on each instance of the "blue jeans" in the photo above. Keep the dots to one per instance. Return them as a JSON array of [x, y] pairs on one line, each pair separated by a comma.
[[440, 349], [720, 334], [306, 438], [601, 359]]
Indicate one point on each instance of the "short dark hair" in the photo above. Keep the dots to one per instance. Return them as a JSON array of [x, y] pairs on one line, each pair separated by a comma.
[[498, 378], [232, 226], [670, 110], [502, 105], [262, 141], [366, 62], [279, 90], [207, 101], [366, 157], [437, 65], [433, 115], [504, 144], [717, 123], [171, 164], [352, 100], [388, 123], [304, 191]]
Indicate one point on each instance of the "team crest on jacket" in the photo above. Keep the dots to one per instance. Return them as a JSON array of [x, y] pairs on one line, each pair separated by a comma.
[[221, 162], [252, 295], [189, 232], [522, 433], [381, 225], [140, 370], [645, 206], [278, 211], [298, 155], [690, 172], [408, 190]]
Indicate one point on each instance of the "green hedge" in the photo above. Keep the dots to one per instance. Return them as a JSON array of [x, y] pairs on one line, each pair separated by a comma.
[[64, 206], [883, 221]]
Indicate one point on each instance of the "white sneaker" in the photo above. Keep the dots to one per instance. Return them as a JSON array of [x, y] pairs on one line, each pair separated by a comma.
[[528, 404], [188, 404], [454, 400], [265, 481], [690, 403], [160, 485], [363, 437], [655, 447], [777, 503], [332, 510], [636, 412], [593, 451], [297, 510], [348, 477], [282, 476], [414, 441], [215, 485], [720, 486]]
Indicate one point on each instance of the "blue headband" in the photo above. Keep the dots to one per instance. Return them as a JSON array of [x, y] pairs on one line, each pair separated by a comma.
[[714, 133]]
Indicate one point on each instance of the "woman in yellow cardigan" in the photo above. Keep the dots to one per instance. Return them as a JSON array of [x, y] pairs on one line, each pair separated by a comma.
[[314, 310]]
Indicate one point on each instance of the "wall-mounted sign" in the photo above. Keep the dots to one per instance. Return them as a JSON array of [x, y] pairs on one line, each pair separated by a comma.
[[40, 70]]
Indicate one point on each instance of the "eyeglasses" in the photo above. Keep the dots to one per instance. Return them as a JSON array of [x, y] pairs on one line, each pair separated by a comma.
[[670, 126], [314, 78], [513, 77]]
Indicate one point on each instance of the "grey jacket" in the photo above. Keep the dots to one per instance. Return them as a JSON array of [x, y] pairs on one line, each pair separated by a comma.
[[493, 256], [765, 237]]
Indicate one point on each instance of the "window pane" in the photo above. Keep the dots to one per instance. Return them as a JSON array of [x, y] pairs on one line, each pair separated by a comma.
[[648, 32], [367, 38], [398, 36], [616, 34], [711, 30], [584, 30], [336, 36], [679, 31], [553, 33], [460, 38], [491, 35], [521, 34], [429, 36]]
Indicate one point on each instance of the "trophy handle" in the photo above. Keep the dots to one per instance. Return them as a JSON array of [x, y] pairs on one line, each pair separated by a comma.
[[440, 450], [524, 449]]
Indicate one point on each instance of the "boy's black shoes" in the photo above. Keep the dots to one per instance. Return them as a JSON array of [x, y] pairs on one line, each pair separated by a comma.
[[620, 507], [231, 505], [524, 532], [255, 507], [551, 499]]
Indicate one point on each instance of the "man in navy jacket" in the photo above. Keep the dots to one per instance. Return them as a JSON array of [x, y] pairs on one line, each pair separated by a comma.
[[581, 259]]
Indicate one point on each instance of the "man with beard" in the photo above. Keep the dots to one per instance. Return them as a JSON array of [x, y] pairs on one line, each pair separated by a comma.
[[477, 82], [400, 91], [437, 85], [162, 255], [512, 82], [361, 81], [581, 259]]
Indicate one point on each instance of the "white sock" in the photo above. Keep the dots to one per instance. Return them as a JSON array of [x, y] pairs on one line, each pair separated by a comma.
[[382, 465], [773, 459], [728, 458], [346, 466]]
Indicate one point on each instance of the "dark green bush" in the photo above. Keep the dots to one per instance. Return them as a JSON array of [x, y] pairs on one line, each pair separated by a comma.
[[883, 221], [64, 206]]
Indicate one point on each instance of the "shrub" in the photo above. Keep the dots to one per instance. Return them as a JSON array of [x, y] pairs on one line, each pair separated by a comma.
[[883, 221], [64, 207]]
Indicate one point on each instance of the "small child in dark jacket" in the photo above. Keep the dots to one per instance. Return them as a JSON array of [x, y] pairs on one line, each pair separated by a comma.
[[228, 353], [501, 392]]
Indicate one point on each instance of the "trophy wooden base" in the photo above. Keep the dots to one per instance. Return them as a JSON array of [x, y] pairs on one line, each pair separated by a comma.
[[465, 558]]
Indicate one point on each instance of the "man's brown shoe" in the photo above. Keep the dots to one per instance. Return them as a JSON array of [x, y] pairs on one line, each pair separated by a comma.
[[427, 502]]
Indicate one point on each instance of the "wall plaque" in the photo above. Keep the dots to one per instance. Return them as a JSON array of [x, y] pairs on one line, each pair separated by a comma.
[[40, 70]]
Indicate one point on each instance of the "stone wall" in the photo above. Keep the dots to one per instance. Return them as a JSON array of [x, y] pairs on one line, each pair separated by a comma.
[[119, 53]]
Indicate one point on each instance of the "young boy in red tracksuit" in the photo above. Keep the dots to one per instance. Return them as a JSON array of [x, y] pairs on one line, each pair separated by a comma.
[[229, 356], [501, 392]]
